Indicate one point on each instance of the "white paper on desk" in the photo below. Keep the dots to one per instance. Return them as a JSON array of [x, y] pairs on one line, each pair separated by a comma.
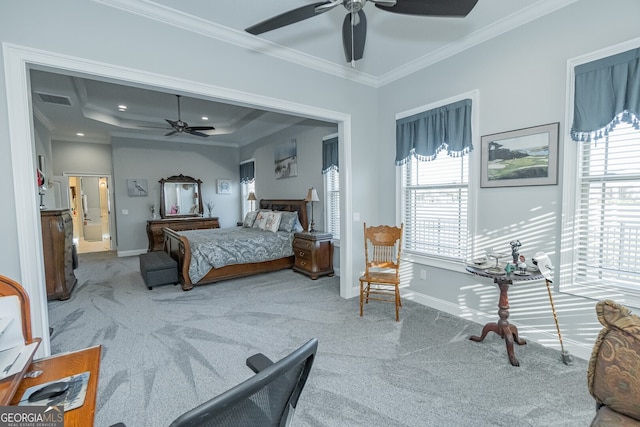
[[14, 355], [12, 334], [12, 360]]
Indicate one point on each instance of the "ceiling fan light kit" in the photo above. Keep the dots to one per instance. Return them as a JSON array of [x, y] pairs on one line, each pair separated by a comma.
[[354, 26]]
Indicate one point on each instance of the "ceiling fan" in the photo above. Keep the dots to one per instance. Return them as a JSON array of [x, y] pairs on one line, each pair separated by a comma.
[[182, 127], [354, 27]]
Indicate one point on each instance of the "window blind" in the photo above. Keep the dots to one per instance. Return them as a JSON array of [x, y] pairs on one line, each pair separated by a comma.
[[435, 203], [332, 192], [607, 224]]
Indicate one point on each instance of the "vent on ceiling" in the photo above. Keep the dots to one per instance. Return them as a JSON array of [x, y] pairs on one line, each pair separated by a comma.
[[54, 99]]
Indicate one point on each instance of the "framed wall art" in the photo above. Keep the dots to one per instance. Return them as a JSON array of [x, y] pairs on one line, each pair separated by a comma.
[[137, 187], [224, 186], [286, 159], [520, 157]]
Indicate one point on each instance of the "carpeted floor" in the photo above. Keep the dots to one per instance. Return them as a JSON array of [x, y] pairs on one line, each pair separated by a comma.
[[166, 351]]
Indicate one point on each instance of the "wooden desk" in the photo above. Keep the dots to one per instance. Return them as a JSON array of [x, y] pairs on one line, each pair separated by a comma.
[[64, 365], [8, 386]]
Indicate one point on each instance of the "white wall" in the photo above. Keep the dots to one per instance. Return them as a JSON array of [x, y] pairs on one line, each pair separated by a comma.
[[521, 78]]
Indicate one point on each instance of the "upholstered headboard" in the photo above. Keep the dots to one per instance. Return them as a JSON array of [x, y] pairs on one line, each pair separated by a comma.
[[299, 206]]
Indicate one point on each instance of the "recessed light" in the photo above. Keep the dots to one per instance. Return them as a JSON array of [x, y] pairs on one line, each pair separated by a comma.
[[205, 118], [80, 134], [122, 107]]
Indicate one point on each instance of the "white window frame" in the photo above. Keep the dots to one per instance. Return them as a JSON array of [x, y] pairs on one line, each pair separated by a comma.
[[571, 196], [474, 160], [327, 200], [245, 189]]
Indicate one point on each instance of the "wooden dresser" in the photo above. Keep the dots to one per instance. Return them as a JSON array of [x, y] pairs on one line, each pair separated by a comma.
[[314, 254], [57, 245], [155, 226]]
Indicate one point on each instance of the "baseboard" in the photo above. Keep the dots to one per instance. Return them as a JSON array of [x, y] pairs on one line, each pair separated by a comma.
[[541, 337], [544, 338], [134, 252]]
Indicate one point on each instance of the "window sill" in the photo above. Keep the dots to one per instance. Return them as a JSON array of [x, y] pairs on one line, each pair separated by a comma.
[[445, 264], [627, 297]]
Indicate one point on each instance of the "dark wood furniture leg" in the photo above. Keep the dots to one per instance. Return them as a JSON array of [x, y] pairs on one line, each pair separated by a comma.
[[503, 328]]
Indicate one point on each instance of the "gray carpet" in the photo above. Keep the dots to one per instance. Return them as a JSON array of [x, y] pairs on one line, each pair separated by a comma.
[[166, 351]]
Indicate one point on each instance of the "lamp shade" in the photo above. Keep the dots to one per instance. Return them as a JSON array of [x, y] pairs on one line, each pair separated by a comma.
[[252, 196], [312, 196]]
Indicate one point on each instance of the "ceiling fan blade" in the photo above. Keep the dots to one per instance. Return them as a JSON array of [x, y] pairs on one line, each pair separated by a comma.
[[354, 36], [287, 18], [173, 132], [452, 8], [196, 133], [171, 123], [189, 128]]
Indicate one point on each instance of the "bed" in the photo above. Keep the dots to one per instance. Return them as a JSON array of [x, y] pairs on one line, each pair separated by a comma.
[[178, 246]]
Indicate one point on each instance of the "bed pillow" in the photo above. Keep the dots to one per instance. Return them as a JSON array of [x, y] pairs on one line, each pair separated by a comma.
[[287, 221], [269, 221], [249, 219], [297, 227]]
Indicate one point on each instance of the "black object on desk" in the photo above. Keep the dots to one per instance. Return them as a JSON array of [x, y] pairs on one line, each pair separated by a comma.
[[502, 327]]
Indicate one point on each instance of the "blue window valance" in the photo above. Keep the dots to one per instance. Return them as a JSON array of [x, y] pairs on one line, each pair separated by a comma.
[[607, 91], [330, 154], [425, 134], [247, 172]]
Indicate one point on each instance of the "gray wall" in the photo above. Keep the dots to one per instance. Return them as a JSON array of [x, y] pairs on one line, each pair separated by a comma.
[[154, 160], [308, 138]]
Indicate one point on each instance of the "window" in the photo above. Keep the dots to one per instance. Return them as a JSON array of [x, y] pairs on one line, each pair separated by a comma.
[[332, 202], [601, 221], [432, 149], [247, 205], [434, 207], [606, 229], [247, 185]]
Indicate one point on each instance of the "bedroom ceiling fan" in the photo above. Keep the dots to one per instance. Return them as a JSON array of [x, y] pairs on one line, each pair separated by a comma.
[[354, 27], [179, 126]]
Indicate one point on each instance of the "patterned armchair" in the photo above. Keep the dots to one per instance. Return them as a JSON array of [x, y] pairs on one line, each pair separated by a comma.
[[614, 368]]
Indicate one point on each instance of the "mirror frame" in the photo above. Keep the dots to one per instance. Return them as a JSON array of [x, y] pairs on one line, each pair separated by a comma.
[[180, 179]]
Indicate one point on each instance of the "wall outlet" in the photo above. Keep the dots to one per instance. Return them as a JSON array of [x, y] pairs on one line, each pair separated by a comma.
[[423, 274], [356, 216], [125, 211]]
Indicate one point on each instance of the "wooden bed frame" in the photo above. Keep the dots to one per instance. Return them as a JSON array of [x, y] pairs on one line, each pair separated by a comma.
[[178, 247]]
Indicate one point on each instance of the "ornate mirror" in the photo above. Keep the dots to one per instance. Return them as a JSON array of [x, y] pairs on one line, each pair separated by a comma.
[[180, 196]]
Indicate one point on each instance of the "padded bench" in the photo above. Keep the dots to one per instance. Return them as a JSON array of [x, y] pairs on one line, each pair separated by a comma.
[[158, 268]]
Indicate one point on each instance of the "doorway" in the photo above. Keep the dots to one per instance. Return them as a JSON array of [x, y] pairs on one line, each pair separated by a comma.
[[90, 205]]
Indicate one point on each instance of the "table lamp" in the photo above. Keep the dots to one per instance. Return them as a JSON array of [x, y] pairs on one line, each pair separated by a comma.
[[252, 197], [312, 196]]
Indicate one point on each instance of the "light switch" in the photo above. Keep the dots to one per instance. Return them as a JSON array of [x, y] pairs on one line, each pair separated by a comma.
[[356, 216], [125, 211]]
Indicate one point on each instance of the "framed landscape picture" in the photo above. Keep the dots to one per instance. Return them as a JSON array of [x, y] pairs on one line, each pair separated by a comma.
[[520, 157]]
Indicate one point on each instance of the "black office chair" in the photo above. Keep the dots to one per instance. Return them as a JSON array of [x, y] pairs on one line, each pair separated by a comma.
[[269, 398]]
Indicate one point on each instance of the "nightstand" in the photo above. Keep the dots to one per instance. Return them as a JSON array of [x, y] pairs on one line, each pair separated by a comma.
[[314, 254]]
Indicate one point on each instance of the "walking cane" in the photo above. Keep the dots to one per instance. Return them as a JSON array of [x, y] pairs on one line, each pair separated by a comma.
[[544, 268]]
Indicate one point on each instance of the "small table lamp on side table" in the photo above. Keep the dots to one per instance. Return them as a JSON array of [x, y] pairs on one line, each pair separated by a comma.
[[252, 198], [312, 196]]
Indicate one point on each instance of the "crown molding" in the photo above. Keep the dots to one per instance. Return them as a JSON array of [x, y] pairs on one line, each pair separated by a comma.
[[179, 19], [161, 13], [504, 25]]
